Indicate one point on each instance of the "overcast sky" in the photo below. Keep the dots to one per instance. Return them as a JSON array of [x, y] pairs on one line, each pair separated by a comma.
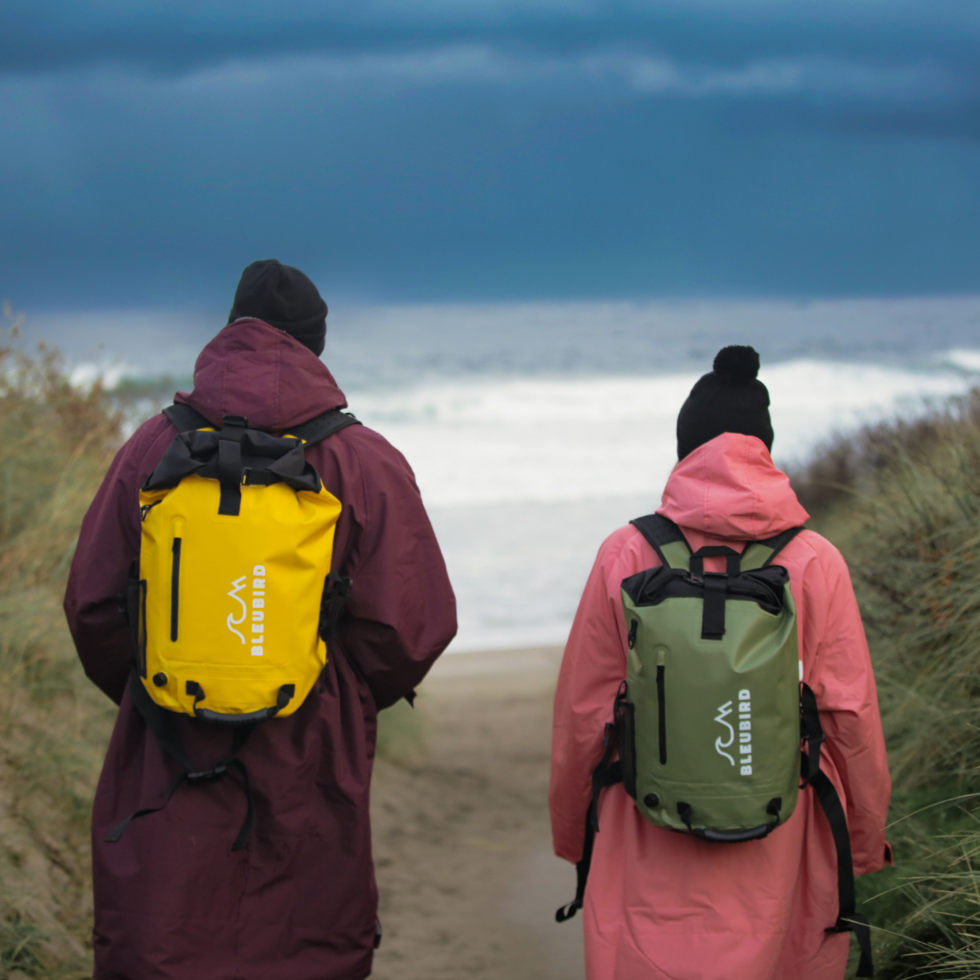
[[410, 150]]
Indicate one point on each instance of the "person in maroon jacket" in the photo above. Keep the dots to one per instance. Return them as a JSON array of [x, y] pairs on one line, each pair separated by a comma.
[[173, 900]]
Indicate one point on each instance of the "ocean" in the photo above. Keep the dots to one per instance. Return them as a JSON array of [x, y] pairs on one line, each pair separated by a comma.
[[535, 430]]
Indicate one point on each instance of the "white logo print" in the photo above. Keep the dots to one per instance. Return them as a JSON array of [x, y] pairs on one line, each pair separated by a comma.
[[258, 609], [723, 712], [236, 586], [745, 732]]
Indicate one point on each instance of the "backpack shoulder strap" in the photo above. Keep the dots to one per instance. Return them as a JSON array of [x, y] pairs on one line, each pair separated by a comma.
[[666, 539], [184, 418], [323, 426], [848, 920], [760, 554], [314, 430]]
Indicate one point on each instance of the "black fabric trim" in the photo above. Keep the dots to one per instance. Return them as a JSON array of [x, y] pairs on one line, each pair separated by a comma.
[[658, 531], [336, 592], [607, 773], [174, 592], [847, 920], [778, 542], [323, 426], [264, 460], [732, 836], [662, 713], [624, 722], [733, 563], [286, 693], [184, 418], [765, 586], [135, 610], [713, 610], [230, 477]]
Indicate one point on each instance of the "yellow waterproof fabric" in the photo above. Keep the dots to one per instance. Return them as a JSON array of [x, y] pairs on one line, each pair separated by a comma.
[[232, 603]]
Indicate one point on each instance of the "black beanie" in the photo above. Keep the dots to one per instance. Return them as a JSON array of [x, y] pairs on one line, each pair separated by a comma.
[[730, 399], [285, 298]]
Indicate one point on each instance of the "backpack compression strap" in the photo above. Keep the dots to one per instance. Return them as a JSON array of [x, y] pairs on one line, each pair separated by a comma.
[[847, 919]]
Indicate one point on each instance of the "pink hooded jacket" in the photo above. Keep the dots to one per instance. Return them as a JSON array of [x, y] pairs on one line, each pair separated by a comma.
[[666, 906]]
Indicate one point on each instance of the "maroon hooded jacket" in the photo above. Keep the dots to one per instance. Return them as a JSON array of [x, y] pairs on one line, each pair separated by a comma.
[[172, 900]]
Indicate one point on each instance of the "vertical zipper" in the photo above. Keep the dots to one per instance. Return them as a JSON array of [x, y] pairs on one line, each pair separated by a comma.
[[662, 706], [175, 591], [631, 637]]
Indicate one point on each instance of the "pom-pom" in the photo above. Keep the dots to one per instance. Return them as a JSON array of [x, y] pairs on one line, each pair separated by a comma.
[[737, 364]]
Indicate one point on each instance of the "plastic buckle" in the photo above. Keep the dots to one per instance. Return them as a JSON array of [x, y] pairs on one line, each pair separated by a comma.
[[208, 776]]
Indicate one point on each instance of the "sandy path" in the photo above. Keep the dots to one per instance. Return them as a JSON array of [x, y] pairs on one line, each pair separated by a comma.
[[468, 883]]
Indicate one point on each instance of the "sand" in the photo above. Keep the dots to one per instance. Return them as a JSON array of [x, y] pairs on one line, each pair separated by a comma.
[[467, 880]]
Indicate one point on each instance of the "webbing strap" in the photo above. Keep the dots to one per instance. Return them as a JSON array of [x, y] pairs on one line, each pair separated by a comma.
[[314, 430], [713, 608], [230, 464], [323, 426], [659, 532], [605, 774], [336, 592], [847, 919], [184, 418], [160, 723]]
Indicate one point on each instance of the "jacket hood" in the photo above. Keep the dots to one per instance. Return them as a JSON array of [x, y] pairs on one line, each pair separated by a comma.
[[253, 369], [730, 488]]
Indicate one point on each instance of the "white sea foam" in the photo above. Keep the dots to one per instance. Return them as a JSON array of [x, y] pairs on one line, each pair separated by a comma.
[[525, 477], [570, 439]]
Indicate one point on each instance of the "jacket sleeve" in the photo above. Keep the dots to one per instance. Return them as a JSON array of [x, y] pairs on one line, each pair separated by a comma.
[[592, 668], [108, 543], [402, 611], [847, 696]]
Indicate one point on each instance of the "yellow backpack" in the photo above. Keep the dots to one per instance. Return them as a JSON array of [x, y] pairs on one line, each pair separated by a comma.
[[233, 597]]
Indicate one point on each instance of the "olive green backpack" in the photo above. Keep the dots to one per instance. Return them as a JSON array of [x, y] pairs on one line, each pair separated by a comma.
[[712, 716]]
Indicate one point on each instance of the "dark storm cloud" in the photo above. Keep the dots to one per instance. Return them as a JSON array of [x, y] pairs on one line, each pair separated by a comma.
[[420, 150], [172, 36]]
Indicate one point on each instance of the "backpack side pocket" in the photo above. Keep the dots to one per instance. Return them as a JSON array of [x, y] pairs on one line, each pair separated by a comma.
[[626, 740], [136, 617]]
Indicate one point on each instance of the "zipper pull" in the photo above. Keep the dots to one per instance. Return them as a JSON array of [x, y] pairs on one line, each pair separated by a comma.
[[631, 638], [146, 508]]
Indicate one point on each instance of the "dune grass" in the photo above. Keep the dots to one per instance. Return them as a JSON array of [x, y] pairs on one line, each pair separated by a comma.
[[903, 503], [55, 443]]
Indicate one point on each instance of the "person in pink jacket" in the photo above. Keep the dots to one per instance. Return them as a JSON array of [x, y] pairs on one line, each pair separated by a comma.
[[661, 905]]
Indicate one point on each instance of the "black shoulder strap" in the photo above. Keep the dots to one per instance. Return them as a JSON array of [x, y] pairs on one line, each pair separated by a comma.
[[659, 531], [323, 426], [848, 920], [607, 773], [777, 543], [314, 430], [184, 418]]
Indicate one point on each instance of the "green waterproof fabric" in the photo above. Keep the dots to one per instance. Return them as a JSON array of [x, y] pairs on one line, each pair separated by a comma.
[[712, 723]]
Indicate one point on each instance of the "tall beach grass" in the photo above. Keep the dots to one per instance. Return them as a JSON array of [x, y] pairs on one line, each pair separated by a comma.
[[903, 503]]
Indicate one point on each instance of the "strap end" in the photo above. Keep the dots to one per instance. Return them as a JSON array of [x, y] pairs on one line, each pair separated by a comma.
[[567, 912]]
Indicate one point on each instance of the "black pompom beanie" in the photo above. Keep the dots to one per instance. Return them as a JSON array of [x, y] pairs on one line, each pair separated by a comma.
[[729, 399], [284, 298]]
